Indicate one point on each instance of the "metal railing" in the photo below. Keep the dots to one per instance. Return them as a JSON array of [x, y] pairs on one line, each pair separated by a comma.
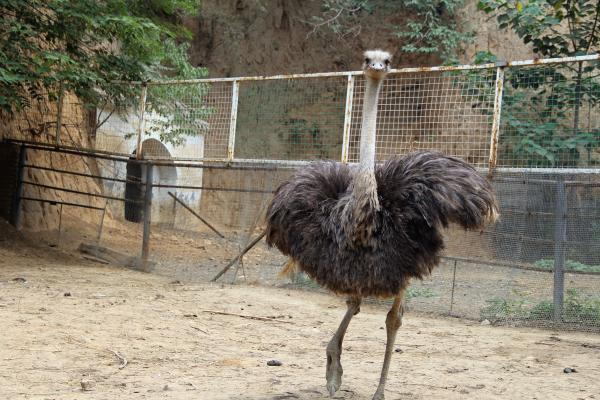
[[471, 111]]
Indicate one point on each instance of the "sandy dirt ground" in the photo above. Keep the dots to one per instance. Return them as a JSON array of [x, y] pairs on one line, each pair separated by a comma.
[[69, 324]]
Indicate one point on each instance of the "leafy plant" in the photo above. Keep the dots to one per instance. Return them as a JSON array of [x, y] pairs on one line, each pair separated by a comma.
[[499, 308], [570, 265], [82, 46], [433, 29], [544, 310], [414, 292], [576, 308], [550, 134]]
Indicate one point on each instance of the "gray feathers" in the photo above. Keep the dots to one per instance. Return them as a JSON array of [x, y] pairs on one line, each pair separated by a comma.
[[373, 248]]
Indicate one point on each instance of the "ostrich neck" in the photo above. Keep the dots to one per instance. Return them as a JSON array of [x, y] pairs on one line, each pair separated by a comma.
[[369, 124], [364, 202]]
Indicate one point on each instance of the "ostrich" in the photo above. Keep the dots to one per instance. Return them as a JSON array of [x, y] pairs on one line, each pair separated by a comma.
[[366, 230]]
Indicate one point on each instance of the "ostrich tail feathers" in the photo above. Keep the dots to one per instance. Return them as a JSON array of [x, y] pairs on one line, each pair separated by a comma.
[[438, 188], [290, 268]]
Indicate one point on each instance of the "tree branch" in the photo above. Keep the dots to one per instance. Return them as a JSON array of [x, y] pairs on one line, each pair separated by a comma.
[[591, 38]]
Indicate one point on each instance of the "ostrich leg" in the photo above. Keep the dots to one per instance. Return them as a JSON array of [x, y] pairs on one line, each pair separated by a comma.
[[334, 348], [392, 323]]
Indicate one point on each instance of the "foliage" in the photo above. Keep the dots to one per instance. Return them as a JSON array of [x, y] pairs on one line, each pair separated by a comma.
[[414, 292], [581, 308], [433, 29], [541, 22], [576, 308], [499, 308], [84, 45], [342, 17], [549, 134], [570, 265]]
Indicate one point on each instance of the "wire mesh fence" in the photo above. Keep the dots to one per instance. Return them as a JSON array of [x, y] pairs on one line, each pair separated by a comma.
[[550, 116], [539, 265], [449, 111], [537, 113]]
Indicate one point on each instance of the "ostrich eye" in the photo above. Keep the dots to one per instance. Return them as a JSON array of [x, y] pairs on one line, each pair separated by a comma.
[[367, 60]]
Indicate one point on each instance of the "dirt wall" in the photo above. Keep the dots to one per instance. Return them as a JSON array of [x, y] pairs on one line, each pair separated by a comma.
[[37, 123]]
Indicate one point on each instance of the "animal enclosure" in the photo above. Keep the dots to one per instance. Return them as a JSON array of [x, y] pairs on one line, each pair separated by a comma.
[[182, 175]]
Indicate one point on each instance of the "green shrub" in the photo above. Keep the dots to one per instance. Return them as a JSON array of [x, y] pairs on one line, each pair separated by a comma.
[[570, 265], [577, 308]]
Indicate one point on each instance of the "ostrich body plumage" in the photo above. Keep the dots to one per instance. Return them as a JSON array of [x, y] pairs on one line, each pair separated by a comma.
[[356, 246]]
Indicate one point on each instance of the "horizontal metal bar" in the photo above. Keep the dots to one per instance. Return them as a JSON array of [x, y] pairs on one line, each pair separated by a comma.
[[65, 203], [442, 68], [102, 196], [216, 189], [106, 155], [543, 170], [284, 163], [62, 171], [557, 60], [520, 266]]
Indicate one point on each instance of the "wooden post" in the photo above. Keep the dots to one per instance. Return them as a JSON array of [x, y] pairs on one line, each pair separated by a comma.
[[15, 212], [347, 118], [499, 88], [560, 237], [235, 90], [195, 214], [101, 222], [142, 120], [147, 215], [239, 256]]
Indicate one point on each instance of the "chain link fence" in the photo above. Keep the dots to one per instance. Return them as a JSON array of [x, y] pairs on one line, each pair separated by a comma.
[[181, 177]]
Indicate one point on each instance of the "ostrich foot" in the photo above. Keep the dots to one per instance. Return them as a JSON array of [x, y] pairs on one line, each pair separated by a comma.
[[379, 395], [334, 371]]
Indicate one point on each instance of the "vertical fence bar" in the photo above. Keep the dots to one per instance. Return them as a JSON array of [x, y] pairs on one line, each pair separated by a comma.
[[60, 213], [143, 94], [147, 215], [560, 237], [453, 285], [348, 118], [59, 112], [499, 89], [15, 214], [235, 91]]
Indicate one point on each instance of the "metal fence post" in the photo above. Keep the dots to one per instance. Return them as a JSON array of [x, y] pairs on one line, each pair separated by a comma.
[[143, 94], [15, 211], [147, 215], [499, 89], [348, 118], [235, 92], [59, 112], [560, 237]]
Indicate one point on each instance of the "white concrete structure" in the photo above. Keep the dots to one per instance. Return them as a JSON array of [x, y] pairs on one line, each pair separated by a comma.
[[119, 134]]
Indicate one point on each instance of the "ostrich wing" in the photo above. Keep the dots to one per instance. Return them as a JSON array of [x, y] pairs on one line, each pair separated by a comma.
[[440, 188], [301, 209]]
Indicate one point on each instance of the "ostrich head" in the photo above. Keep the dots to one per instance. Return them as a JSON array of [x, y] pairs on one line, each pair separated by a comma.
[[377, 64]]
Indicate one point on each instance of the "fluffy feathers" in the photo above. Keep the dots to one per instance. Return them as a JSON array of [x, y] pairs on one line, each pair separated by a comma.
[[418, 195]]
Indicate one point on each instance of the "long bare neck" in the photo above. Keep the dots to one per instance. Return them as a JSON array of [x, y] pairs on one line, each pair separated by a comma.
[[363, 204], [369, 124]]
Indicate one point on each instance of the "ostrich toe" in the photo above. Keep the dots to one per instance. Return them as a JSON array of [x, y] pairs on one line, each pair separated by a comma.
[[334, 373]]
